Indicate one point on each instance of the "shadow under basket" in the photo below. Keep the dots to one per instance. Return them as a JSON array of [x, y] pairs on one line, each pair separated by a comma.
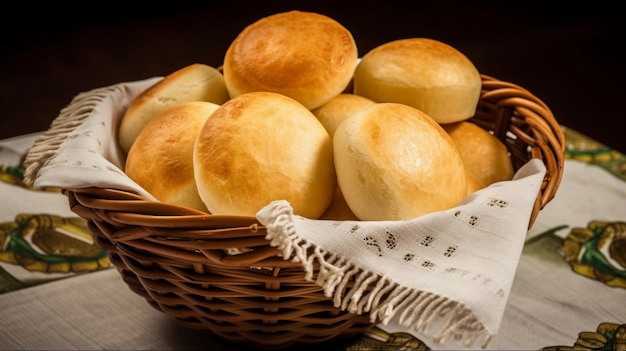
[[182, 261]]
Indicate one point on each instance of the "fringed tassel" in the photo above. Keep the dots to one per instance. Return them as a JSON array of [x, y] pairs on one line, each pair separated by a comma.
[[383, 299], [70, 117], [281, 227]]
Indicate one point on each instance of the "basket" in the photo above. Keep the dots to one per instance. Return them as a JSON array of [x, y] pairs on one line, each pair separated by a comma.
[[180, 260]]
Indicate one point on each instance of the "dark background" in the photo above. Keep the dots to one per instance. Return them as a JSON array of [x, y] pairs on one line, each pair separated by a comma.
[[568, 55]]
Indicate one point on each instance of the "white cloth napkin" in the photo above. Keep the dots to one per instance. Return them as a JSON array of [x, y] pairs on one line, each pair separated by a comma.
[[445, 275], [80, 148]]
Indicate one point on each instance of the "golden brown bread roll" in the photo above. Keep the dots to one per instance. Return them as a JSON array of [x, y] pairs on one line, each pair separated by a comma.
[[394, 162], [483, 155], [195, 82], [339, 108], [161, 159], [304, 55], [424, 73], [259, 147]]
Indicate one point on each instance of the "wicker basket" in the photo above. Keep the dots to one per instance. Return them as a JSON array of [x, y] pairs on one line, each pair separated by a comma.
[[176, 258]]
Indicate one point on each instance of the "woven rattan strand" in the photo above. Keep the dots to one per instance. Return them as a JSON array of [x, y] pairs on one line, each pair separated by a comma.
[[181, 260]]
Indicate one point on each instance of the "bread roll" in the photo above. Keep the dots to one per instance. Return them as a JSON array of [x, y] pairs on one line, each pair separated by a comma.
[[304, 55], [424, 73], [260, 147], [196, 82], [483, 155], [161, 159], [394, 162], [339, 108]]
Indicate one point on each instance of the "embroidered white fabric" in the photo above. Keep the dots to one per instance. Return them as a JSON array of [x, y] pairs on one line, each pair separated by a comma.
[[80, 148], [446, 275]]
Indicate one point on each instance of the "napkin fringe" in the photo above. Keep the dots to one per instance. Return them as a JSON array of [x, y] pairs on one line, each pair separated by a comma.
[[382, 298], [70, 117]]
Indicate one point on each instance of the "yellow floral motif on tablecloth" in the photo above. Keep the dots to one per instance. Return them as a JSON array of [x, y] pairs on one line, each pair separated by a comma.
[[608, 336], [378, 339], [50, 244], [582, 148], [598, 252]]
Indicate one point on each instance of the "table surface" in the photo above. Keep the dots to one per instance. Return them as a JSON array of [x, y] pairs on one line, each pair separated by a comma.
[[569, 288]]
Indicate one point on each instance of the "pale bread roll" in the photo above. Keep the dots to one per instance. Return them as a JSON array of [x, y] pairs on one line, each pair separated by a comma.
[[161, 159], [394, 162], [304, 55], [424, 73], [483, 155], [195, 82], [260, 147], [339, 108]]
